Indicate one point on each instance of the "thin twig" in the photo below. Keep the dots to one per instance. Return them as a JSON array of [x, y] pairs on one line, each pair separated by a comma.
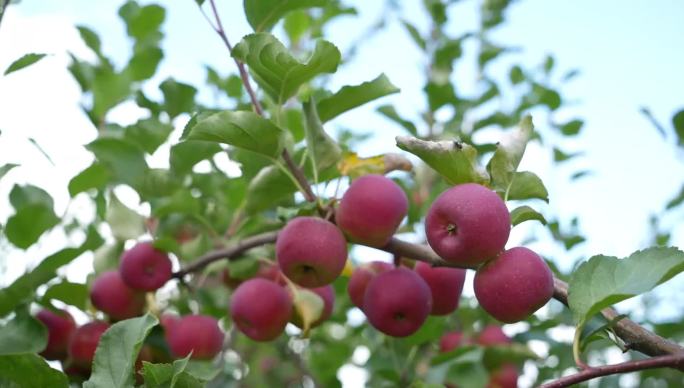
[[4, 8], [296, 171], [229, 252], [669, 361]]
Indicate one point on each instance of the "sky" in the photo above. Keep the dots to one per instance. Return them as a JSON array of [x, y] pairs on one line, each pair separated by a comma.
[[628, 53]]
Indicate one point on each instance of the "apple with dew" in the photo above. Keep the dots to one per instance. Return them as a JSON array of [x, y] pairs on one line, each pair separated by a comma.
[[468, 224], [362, 275], [397, 302], [311, 251], [446, 285], [261, 309], [371, 210], [514, 285]]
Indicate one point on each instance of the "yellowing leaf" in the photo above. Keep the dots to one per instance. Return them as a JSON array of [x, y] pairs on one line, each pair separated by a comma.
[[354, 166]]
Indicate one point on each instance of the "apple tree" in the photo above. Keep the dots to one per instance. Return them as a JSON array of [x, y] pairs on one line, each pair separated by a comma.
[[242, 261]]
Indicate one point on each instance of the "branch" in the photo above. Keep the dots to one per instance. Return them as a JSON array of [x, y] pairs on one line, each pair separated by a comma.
[[296, 171], [230, 252], [636, 337], [669, 361]]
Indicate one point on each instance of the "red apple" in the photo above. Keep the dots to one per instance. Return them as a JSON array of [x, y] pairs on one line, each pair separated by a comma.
[[468, 224], [397, 302], [446, 285], [504, 377], [84, 342], [199, 334], [451, 341], [311, 251], [61, 326], [371, 210], [514, 285], [261, 309], [493, 335], [112, 296], [144, 267], [362, 275]]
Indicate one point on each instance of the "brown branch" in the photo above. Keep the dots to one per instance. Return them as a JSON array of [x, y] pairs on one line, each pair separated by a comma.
[[669, 361], [230, 252], [296, 171]]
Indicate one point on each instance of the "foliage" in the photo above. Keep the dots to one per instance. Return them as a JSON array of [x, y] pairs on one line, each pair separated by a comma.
[[189, 211]]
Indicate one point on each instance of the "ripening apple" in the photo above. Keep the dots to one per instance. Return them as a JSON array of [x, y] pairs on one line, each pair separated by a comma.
[[514, 285], [199, 334], [84, 342], [468, 224], [446, 285], [506, 376], [112, 296], [61, 326], [371, 210], [144, 267], [327, 293], [397, 302], [311, 251], [493, 335], [362, 275], [261, 309], [451, 341]]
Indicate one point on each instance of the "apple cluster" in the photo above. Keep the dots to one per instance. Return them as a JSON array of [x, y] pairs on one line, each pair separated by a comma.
[[503, 376], [468, 225], [120, 294]]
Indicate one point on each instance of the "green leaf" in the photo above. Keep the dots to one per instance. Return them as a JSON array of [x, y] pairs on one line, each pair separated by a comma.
[[322, 149], [185, 155], [116, 353], [124, 160], [509, 152], [91, 39], [277, 71], [262, 15], [149, 134], [516, 75], [109, 89], [6, 168], [170, 375], [455, 161], [22, 334], [677, 200], [178, 97], [572, 128], [29, 370], [240, 129], [125, 223], [22, 196], [143, 23], [24, 288], [75, 294], [95, 176], [296, 24], [526, 213], [415, 34], [391, 113], [527, 185], [678, 125], [270, 187], [26, 226], [350, 97], [603, 280], [25, 61]]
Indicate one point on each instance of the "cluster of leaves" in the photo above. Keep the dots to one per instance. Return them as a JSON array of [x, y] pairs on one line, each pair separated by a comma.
[[192, 210]]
